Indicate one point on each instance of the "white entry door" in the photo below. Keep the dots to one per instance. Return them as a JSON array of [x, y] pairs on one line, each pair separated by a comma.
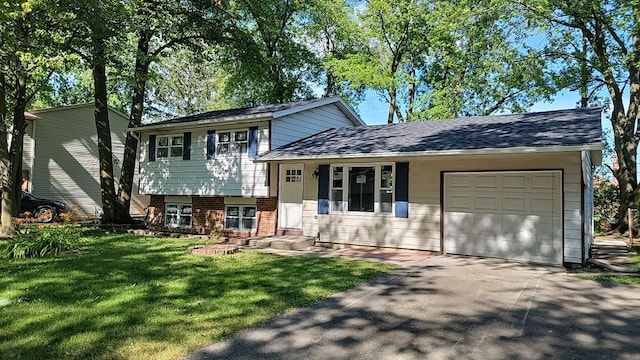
[[290, 209]]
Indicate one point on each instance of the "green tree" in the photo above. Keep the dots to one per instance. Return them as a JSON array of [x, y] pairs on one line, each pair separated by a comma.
[[391, 49], [443, 59], [32, 46], [160, 27], [268, 61], [612, 58], [480, 61], [101, 31], [183, 84], [332, 33]]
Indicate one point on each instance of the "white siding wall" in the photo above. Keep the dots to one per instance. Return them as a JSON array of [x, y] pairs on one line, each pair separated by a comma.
[[65, 161], [303, 124], [422, 229], [28, 150], [224, 175], [587, 169]]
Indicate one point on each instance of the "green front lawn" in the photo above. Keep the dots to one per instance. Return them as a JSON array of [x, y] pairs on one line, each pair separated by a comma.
[[613, 279], [135, 297]]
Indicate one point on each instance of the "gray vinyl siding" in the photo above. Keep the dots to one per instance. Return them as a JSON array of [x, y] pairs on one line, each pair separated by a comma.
[[222, 176], [422, 229], [306, 123], [65, 161], [587, 168], [28, 149]]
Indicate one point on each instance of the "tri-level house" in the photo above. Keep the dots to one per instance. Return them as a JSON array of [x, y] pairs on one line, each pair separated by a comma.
[[202, 177]]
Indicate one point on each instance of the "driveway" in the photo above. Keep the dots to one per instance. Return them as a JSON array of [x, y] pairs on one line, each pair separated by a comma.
[[454, 308]]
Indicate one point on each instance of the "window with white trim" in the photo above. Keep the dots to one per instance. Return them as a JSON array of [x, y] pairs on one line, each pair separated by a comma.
[[169, 146], [240, 217], [337, 189], [232, 142], [366, 188], [177, 215]]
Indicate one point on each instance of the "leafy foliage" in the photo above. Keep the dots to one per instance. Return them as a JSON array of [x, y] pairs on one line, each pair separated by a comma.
[[596, 42], [42, 241], [606, 202]]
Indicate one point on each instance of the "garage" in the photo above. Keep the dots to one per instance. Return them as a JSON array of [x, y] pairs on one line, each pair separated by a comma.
[[511, 215]]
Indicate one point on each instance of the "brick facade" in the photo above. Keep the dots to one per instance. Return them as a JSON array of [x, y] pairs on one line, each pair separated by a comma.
[[267, 216], [156, 211], [207, 215]]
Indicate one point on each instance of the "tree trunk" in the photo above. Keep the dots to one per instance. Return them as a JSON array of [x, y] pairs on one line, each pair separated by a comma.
[[125, 186], [11, 159], [6, 217], [626, 147], [105, 155], [584, 76]]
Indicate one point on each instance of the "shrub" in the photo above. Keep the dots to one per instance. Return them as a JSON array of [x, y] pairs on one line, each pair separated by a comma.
[[606, 202], [42, 241]]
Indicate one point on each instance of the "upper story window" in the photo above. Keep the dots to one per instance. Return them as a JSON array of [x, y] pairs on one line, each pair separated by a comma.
[[169, 146], [232, 142], [362, 188]]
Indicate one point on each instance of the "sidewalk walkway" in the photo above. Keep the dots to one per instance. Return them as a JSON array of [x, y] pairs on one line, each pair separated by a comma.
[[613, 255], [394, 256]]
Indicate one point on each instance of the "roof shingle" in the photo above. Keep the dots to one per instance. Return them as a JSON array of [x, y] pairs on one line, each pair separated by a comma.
[[551, 128], [234, 113]]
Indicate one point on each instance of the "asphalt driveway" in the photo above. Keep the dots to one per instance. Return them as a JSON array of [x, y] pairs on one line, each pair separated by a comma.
[[454, 308]]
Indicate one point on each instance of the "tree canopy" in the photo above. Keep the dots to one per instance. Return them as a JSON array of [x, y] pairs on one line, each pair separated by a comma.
[[426, 59]]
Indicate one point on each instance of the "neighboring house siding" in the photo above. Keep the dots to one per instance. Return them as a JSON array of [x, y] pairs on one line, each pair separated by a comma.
[[65, 158], [28, 151], [587, 168], [306, 123], [421, 230], [232, 175]]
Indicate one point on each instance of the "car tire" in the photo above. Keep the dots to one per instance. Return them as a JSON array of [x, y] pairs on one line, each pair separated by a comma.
[[44, 214]]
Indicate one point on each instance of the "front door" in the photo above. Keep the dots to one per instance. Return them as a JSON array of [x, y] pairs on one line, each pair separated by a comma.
[[290, 216]]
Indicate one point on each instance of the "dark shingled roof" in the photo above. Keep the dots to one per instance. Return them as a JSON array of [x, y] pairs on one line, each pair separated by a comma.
[[551, 128], [223, 114]]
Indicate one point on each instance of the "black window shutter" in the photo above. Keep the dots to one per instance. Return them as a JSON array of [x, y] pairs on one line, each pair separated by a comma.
[[253, 142], [323, 189], [152, 148], [186, 146], [211, 144], [402, 189]]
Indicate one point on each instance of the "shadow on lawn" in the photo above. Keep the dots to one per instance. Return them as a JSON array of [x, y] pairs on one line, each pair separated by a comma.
[[431, 315], [123, 291]]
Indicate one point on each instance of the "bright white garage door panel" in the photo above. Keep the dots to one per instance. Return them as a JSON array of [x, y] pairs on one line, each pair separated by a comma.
[[507, 215]]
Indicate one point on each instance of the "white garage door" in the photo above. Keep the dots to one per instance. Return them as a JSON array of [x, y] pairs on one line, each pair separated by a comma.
[[513, 215]]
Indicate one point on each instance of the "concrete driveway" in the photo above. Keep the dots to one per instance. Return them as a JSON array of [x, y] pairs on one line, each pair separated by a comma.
[[454, 308]]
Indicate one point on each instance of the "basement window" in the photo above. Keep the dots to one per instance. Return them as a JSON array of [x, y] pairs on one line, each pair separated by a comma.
[[240, 218], [177, 215]]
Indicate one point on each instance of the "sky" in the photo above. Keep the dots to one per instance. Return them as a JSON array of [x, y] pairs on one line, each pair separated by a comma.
[[374, 110]]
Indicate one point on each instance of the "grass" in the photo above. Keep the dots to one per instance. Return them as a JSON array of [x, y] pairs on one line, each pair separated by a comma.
[[613, 279], [634, 254], [134, 297]]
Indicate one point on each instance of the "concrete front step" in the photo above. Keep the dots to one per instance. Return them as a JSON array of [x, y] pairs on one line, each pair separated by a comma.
[[285, 242]]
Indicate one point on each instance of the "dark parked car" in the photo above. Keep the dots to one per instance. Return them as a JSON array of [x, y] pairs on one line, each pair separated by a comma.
[[44, 210]]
